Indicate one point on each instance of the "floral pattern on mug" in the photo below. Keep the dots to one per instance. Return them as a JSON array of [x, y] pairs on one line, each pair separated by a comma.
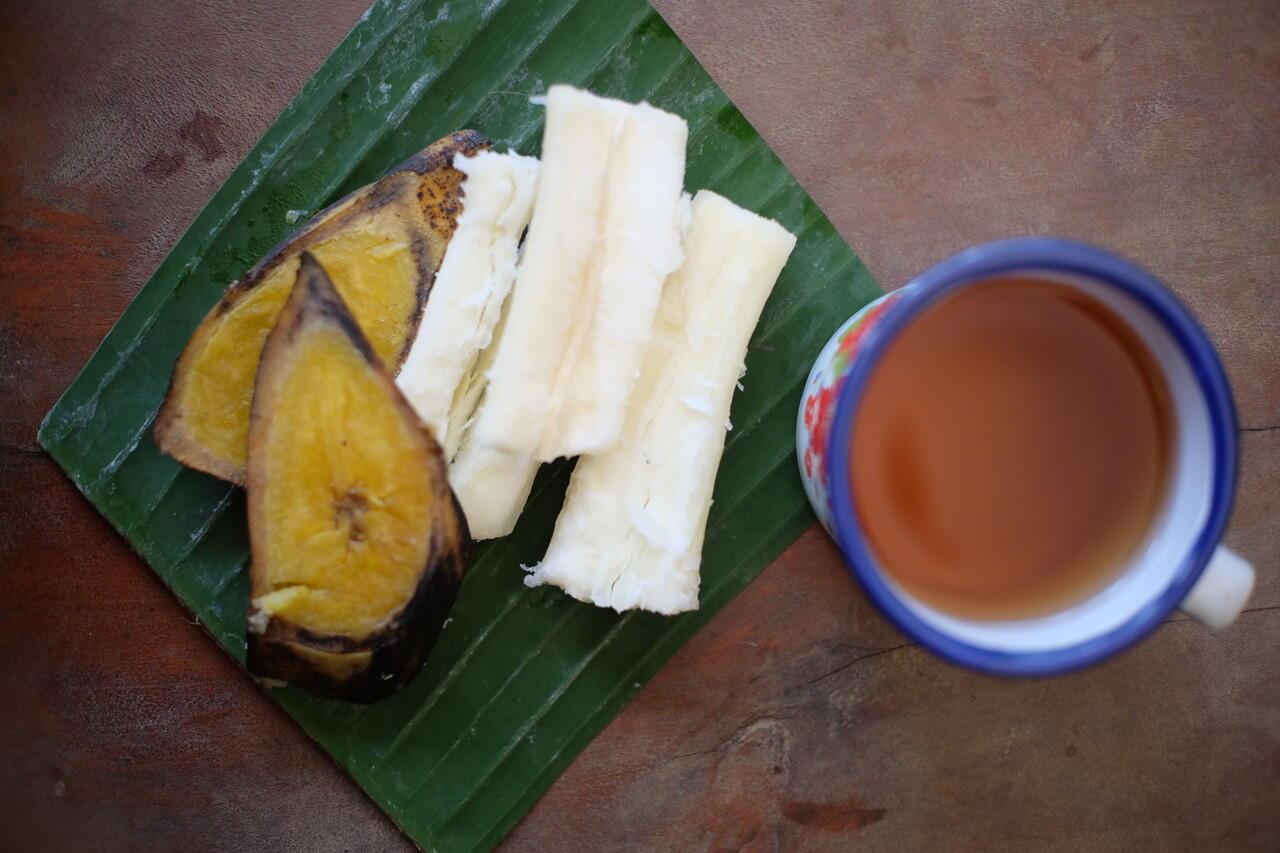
[[817, 406]]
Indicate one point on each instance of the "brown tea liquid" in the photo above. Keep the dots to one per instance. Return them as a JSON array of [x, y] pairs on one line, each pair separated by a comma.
[[1009, 453]]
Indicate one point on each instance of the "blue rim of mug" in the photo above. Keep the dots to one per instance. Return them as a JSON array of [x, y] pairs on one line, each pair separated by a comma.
[[1047, 254]]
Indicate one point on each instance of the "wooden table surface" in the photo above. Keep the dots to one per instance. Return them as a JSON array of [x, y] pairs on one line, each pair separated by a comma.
[[797, 719]]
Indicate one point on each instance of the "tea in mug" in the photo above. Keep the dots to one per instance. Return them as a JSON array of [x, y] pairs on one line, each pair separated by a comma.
[[1011, 450]]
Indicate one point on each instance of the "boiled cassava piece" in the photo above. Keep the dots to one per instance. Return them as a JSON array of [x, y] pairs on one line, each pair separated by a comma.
[[446, 374], [605, 234], [630, 533]]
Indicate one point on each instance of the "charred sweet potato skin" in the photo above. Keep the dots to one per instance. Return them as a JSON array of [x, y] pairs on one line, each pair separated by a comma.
[[426, 179], [372, 665], [369, 668]]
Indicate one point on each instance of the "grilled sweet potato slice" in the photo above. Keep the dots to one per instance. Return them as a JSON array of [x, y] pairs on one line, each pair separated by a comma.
[[381, 245], [357, 543]]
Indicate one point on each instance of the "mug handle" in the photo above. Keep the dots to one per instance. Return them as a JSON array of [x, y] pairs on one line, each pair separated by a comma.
[[1222, 590]]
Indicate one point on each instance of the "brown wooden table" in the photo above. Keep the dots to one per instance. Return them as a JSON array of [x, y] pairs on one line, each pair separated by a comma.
[[797, 719]]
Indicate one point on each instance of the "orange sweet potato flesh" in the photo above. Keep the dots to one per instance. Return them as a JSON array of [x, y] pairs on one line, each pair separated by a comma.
[[381, 246], [357, 543]]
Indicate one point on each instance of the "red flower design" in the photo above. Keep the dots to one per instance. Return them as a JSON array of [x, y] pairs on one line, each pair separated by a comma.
[[819, 408], [850, 342], [810, 411], [826, 398]]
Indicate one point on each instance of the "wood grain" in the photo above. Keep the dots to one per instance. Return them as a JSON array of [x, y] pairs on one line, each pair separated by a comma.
[[798, 719]]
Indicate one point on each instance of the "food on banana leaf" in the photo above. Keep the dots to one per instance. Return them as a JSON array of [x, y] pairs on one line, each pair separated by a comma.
[[614, 332]]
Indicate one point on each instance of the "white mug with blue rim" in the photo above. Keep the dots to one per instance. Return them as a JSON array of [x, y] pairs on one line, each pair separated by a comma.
[[1181, 564]]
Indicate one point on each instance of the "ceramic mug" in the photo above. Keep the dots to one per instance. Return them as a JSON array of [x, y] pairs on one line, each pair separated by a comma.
[[1181, 565]]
